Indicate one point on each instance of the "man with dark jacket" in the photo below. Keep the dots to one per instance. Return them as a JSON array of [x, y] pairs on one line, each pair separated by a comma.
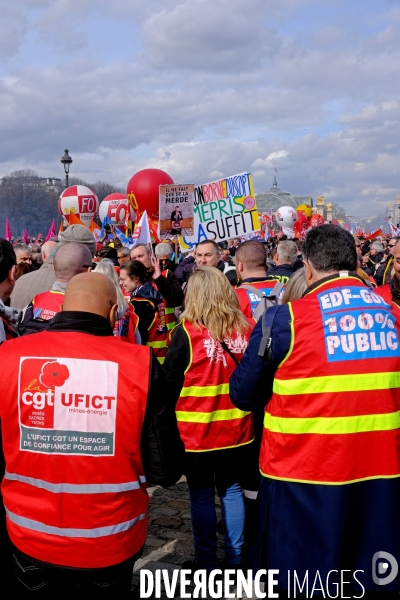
[[372, 261], [207, 253], [285, 258], [383, 273], [85, 424], [329, 455]]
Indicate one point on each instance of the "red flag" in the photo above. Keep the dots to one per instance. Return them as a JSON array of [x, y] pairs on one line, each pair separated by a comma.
[[374, 235]]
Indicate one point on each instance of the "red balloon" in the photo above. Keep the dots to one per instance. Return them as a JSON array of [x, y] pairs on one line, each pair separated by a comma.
[[316, 220], [301, 217], [300, 224], [335, 222], [143, 190]]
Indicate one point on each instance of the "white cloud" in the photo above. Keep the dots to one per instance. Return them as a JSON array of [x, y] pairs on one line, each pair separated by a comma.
[[212, 88]]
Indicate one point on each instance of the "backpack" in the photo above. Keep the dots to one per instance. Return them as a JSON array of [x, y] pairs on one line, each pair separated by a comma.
[[265, 301]]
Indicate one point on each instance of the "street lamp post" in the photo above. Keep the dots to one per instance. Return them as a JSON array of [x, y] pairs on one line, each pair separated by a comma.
[[66, 161]]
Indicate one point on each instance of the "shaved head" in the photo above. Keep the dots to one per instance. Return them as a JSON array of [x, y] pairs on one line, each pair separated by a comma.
[[252, 254], [90, 292], [70, 259]]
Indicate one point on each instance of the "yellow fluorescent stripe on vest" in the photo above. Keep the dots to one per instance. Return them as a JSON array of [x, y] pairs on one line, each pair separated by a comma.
[[209, 417], [162, 344], [333, 425], [337, 383], [205, 390], [312, 482]]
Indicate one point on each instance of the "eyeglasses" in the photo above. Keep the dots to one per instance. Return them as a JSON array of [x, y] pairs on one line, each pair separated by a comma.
[[391, 245]]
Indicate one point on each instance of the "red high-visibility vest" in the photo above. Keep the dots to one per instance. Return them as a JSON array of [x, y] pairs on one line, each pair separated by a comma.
[[207, 419], [248, 300], [334, 415], [74, 488], [46, 305]]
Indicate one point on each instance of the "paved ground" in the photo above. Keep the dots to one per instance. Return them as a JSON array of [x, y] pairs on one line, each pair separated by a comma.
[[169, 540]]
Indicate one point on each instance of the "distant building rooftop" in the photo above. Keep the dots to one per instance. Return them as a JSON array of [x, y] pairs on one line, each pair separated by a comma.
[[275, 198]]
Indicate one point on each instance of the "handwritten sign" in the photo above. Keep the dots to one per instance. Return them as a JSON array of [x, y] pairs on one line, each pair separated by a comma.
[[223, 209]]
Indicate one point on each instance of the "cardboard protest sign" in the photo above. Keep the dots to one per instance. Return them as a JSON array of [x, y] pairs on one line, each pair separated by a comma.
[[176, 210], [223, 209]]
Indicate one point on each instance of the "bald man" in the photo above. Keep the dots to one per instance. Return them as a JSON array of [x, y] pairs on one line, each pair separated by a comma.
[[69, 260], [84, 426]]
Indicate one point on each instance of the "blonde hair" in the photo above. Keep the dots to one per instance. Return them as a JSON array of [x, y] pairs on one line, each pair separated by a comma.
[[106, 267], [211, 302], [295, 287]]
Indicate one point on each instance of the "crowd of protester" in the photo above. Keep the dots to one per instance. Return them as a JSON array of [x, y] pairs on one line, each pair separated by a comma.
[[218, 355]]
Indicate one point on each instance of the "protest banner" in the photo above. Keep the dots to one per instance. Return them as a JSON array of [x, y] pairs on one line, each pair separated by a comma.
[[176, 210], [223, 209]]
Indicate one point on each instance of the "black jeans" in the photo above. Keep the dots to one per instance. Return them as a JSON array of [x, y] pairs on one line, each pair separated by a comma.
[[41, 580]]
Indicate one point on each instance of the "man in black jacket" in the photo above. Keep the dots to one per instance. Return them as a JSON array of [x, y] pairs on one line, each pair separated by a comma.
[[285, 257], [83, 329]]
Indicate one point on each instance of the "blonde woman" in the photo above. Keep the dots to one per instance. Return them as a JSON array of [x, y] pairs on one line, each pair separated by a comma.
[[106, 266], [295, 287], [205, 348]]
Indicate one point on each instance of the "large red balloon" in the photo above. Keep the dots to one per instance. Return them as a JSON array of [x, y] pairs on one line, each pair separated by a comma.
[[143, 190], [301, 223]]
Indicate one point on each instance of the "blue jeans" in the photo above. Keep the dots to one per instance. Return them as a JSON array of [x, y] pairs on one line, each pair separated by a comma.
[[206, 471]]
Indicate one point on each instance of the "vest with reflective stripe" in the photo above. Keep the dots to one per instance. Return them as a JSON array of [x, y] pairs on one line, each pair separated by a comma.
[[164, 322], [207, 419], [248, 300], [334, 413], [74, 488], [46, 305]]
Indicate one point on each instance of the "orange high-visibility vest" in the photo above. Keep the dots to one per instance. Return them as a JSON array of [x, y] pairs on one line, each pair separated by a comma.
[[74, 488], [334, 415], [207, 419]]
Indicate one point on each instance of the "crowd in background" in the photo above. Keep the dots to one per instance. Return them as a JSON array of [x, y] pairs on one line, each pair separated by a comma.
[[202, 314]]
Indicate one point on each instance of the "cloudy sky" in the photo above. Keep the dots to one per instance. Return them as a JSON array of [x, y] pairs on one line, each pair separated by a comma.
[[207, 88]]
